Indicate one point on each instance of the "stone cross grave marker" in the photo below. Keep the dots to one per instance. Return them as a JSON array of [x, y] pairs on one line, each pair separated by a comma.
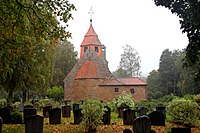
[[142, 124]]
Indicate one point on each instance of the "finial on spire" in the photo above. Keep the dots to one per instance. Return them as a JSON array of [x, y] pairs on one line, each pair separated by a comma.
[[90, 12]]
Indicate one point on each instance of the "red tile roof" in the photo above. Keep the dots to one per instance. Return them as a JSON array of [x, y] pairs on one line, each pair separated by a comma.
[[132, 81], [111, 82], [89, 70], [91, 38]]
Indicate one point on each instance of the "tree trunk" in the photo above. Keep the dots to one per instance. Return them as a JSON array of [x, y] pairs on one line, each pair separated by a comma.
[[24, 96], [10, 96]]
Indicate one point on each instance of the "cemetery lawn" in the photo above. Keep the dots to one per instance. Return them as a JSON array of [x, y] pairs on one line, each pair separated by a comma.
[[66, 126]]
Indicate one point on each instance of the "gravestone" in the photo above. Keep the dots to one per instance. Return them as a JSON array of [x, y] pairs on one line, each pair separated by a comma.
[[142, 124], [162, 110], [34, 124], [128, 116], [46, 111], [142, 111], [1, 124], [21, 107], [29, 112], [127, 130], [5, 114], [9, 107], [55, 116], [76, 106], [181, 130], [157, 118], [106, 116], [66, 111], [77, 116], [121, 109]]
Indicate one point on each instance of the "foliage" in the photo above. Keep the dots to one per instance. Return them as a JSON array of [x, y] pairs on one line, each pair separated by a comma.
[[2, 103], [130, 61], [3, 93], [120, 72], [123, 99], [189, 14], [16, 118], [93, 111], [183, 111], [65, 59], [56, 93], [27, 39]]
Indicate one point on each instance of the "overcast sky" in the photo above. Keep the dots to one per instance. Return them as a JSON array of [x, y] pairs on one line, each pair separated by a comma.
[[139, 23]]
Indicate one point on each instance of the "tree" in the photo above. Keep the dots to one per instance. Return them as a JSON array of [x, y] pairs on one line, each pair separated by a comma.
[[153, 85], [65, 59], [56, 93], [120, 73], [27, 39], [189, 13], [130, 61]]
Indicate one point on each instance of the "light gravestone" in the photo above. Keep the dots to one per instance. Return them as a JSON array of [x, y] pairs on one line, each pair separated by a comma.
[[142, 125], [34, 124], [128, 116], [55, 116], [29, 112], [46, 111], [106, 116], [66, 111], [157, 118], [77, 116]]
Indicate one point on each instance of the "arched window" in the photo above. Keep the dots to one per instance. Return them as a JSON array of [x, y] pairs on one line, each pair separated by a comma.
[[132, 91], [96, 49]]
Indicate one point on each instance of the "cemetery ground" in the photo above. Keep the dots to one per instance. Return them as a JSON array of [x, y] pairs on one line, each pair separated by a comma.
[[116, 126]]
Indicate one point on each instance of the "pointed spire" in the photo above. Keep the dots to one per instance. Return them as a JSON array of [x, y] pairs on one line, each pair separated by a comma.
[[90, 12]]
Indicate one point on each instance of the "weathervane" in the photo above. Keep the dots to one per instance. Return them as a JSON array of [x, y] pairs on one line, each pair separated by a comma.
[[90, 12]]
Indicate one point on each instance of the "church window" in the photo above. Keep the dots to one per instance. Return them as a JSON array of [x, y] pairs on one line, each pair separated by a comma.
[[132, 91], [96, 49], [85, 49], [116, 89]]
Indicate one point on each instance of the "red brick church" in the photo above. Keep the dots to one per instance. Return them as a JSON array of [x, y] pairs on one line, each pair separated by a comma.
[[91, 77]]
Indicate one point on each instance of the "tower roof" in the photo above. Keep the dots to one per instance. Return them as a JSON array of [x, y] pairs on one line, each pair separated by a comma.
[[91, 38]]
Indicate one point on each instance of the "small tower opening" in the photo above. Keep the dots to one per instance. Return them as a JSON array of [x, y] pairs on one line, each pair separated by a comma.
[[96, 49]]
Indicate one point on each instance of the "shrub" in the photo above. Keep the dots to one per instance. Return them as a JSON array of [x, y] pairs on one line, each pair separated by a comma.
[[124, 99], [56, 93], [16, 118], [183, 111], [93, 111]]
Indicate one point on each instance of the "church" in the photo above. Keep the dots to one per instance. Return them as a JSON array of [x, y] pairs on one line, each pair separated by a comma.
[[91, 77]]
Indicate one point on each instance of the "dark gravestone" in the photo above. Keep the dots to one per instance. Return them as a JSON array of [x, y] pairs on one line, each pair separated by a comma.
[[142, 111], [29, 112], [46, 111], [66, 111], [55, 116], [5, 115], [181, 130], [162, 110], [157, 118], [127, 131], [1, 124], [77, 116], [106, 116], [28, 107], [34, 124], [121, 109], [9, 107], [128, 116], [142, 125], [76, 106]]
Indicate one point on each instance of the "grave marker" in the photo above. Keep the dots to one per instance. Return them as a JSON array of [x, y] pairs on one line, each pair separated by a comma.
[[157, 118], [55, 116], [106, 116], [77, 116], [142, 125], [128, 116], [34, 124], [66, 111]]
